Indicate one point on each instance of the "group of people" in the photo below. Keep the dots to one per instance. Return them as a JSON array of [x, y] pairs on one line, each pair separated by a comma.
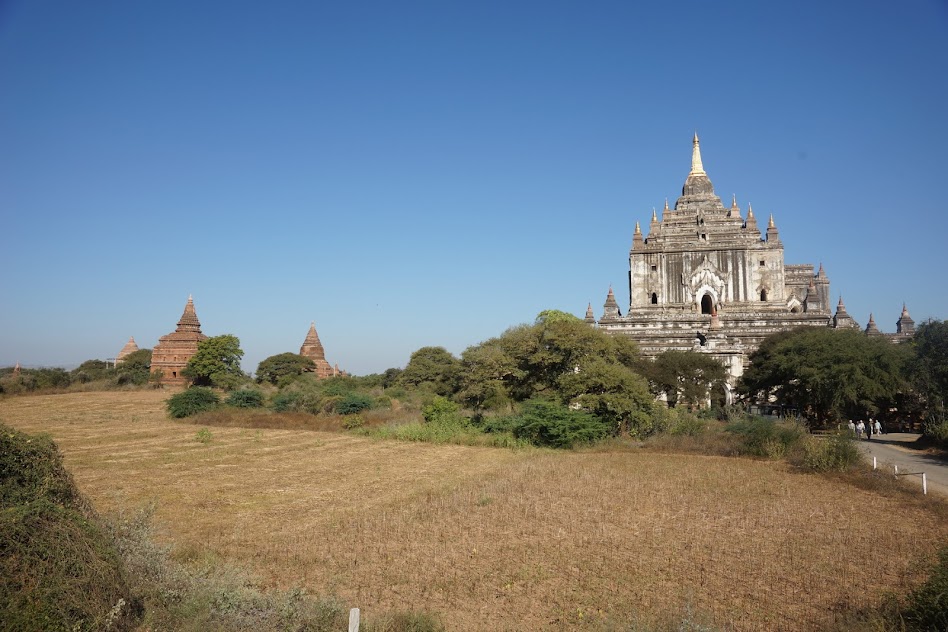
[[865, 430]]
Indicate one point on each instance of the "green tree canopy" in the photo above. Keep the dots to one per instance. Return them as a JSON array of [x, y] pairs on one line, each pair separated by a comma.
[[686, 377], [91, 370], [434, 368], [563, 360], [281, 365], [826, 374], [134, 369], [216, 363], [929, 369]]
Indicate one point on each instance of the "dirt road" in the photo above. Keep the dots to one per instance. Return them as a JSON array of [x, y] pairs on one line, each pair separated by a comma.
[[897, 449]]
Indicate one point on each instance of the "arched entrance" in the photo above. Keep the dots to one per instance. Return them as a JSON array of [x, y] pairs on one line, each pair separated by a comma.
[[707, 305]]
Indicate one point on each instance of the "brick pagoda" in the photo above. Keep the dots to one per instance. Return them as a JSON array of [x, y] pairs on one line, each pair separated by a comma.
[[171, 354]]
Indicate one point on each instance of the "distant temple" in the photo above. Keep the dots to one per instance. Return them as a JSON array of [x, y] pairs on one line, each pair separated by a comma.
[[706, 278], [129, 348], [313, 349], [171, 354]]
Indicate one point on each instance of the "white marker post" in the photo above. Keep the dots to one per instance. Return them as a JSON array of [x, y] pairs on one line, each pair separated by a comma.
[[354, 620]]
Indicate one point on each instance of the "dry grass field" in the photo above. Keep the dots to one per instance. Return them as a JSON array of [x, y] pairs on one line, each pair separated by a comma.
[[495, 539]]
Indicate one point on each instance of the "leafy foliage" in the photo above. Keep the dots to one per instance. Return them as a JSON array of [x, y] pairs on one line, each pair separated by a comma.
[[434, 368], [827, 374], [353, 403], [563, 360], [59, 570], [216, 363], [134, 369], [245, 398], [195, 400], [929, 374], [283, 365], [685, 377], [927, 607], [546, 423]]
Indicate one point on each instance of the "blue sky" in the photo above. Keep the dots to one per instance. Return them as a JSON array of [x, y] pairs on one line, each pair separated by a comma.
[[431, 173]]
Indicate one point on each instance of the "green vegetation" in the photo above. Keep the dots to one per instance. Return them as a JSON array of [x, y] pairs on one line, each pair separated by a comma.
[[828, 375], [246, 398], [279, 368], [192, 401], [59, 570], [217, 363]]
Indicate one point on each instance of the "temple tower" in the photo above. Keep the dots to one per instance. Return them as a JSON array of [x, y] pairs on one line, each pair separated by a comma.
[[129, 348], [171, 354], [312, 348]]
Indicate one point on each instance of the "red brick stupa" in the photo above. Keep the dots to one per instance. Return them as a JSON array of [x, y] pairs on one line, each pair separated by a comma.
[[171, 354], [313, 349], [130, 347]]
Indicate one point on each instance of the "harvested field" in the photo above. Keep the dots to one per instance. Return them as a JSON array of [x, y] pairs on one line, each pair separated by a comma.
[[492, 538]]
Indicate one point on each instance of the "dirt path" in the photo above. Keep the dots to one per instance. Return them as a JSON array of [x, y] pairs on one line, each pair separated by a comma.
[[897, 449]]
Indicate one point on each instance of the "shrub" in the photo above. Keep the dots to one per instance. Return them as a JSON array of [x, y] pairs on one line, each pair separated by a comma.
[[353, 421], [684, 424], [936, 428], [837, 452], [547, 423], [59, 570], [192, 401], [203, 436], [439, 410], [765, 438], [927, 607], [246, 398], [286, 401], [353, 403]]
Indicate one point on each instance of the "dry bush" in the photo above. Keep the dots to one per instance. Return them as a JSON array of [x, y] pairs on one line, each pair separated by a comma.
[[500, 539]]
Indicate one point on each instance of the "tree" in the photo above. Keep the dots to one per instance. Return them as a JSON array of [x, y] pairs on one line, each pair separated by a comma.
[[435, 368], [929, 369], [134, 369], [613, 392], [486, 368], [826, 374], [564, 360], [216, 363], [91, 370], [686, 377], [281, 365]]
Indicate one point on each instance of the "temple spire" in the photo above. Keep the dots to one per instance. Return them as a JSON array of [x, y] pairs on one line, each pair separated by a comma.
[[697, 169], [590, 317], [189, 320]]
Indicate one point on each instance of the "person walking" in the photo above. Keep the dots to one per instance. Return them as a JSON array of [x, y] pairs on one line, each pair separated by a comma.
[[860, 428], [877, 427], [852, 427]]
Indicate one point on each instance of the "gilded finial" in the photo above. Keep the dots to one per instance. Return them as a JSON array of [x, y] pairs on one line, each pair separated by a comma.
[[638, 229], [770, 224], [697, 169], [750, 211]]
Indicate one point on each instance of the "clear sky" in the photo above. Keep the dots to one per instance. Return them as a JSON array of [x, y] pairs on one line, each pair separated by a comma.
[[431, 173]]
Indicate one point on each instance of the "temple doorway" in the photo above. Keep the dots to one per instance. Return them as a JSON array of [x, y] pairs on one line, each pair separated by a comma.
[[707, 305]]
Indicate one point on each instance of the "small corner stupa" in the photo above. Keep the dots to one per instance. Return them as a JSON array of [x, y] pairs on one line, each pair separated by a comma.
[[312, 348], [171, 354], [129, 348]]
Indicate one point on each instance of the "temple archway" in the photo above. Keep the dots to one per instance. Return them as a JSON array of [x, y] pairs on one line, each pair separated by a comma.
[[654, 298], [707, 305]]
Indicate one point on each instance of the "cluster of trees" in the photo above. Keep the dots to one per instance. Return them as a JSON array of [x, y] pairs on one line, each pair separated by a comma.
[[563, 360], [828, 375], [133, 370]]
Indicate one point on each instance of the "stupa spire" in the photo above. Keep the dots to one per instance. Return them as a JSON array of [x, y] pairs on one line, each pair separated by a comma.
[[697, 169], [590, 317], [189, 320]]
